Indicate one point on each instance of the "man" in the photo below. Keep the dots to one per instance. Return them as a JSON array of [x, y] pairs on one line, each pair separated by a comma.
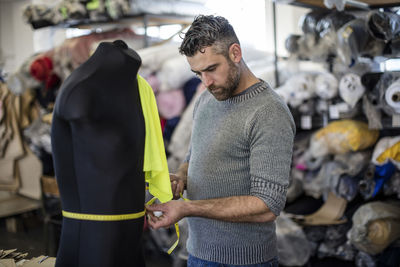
[[237, 169]]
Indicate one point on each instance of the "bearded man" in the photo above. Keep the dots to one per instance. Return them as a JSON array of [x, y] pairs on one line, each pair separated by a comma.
[[236, 172]]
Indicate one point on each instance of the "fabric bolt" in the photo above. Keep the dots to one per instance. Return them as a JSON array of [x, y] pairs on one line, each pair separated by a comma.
[[392, 187], [343, 136], [392, 96], [174, 73], [382, 174], [326, 85], [171, 103], [240, 146], [384, 25], [387, 149], [375, 226], [169, 128], [190, 88], [293, 246]]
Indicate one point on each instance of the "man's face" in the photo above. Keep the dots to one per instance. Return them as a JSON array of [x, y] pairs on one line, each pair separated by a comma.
[[219, 74]]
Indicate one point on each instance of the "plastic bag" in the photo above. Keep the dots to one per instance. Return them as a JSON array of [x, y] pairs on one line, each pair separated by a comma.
[[340, 137], [387, 149], [384, 25], [338, 3], [355, 41], [328, 26], [375, 226], [332, 22], [310, 20], [293, 246], [350, 89]]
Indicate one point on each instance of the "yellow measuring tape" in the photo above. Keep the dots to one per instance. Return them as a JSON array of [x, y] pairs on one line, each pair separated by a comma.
[[120, 217], [100, 217]]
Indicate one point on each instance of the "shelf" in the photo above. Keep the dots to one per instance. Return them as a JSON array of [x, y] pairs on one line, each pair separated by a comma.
[[147, 20], [351, 4]]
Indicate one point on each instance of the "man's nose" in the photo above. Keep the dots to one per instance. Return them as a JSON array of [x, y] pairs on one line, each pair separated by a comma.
[[206, 79]]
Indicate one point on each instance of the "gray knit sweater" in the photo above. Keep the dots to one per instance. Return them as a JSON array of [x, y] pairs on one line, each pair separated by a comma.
[[240, 146]]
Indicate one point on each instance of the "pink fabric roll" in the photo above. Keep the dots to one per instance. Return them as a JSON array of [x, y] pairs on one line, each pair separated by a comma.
[[170, 103]]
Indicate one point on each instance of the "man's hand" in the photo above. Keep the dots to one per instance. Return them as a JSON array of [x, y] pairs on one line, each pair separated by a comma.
[[172, 212], [177, 185]]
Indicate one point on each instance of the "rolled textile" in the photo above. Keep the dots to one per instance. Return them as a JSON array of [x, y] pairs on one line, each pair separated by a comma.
[[326, 85], [392, 96], [384, 25]]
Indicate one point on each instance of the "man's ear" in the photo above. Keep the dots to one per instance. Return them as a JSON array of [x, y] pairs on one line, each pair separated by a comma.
[[235, 53]]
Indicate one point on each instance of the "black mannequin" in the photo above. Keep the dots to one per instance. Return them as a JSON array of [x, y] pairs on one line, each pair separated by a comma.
[[98, 134]]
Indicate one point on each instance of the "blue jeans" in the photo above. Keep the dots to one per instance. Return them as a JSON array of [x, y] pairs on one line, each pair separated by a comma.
[[196, 262]]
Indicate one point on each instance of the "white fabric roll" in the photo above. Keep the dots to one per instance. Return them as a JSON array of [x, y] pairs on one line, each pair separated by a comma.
[[392, 96], [326, 86], [302, 87]]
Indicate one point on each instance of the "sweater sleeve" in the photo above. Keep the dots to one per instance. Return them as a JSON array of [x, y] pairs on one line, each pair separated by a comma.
[[271, 132]]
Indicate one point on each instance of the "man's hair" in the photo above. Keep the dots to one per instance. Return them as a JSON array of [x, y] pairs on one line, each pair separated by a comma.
[[208, 31]]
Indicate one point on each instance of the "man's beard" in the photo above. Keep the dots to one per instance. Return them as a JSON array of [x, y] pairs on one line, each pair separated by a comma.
[[232, 83]]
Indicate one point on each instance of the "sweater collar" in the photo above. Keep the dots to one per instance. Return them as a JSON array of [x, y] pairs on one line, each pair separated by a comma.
[[250, 92]]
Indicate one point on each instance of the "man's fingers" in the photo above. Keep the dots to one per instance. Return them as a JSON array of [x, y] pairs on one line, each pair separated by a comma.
[[157, 222], [154, 207]]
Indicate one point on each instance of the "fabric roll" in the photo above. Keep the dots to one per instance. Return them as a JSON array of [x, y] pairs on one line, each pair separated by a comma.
[[385, 81], [301, 88], [392, 187], [375, 226], [384, 25], [365, 260], [347, 187], [326, 86], [351, 89], [354, 40], [291, 43], [332, 22], [170, 103], [392, 96], [340, 137], [387, 149], [310, 20], [293, 246]]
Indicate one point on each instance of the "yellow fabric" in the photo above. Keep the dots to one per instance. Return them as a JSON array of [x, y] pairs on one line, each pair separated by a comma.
[[347, 135], [392, 152], [155, 161]]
